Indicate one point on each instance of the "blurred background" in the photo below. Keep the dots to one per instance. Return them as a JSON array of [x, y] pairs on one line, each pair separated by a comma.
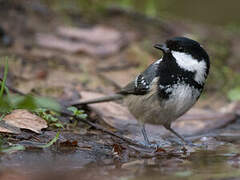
[[60, 48], [56, 45]]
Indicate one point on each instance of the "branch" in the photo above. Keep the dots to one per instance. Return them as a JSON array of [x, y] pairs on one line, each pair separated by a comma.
[[99, 127]]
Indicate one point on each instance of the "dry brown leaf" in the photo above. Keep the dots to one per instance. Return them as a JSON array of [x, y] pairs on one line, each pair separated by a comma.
[[5, 128], [200, 121], [95, 34], [55, 42], [117, 149], [24, 119], [69, 143], [193, 122], [92, 41], [112, 113]]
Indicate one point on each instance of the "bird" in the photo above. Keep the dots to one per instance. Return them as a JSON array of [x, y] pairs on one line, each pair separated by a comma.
[[167, 88]]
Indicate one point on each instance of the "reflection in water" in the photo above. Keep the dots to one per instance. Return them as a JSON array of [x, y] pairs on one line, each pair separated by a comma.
[[199, 165], [207, 164]]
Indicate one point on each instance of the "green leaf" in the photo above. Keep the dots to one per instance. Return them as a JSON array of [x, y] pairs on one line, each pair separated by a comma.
[[27, 102], [5, 105], [234, 94], [82, 116], [58, 125], [33, 103], [72, 109], [77, 112], [47, 103], [49, 116]]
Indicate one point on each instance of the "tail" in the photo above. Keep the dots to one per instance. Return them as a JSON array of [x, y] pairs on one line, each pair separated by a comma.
[[96, 100]]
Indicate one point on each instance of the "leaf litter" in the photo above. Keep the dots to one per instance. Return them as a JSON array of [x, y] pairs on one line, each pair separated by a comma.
[[23, 119], [91, 41]]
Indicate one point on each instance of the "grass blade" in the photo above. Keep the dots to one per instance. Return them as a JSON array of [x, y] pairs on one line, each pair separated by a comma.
[[52, 141], [4, 78], [12, 149]]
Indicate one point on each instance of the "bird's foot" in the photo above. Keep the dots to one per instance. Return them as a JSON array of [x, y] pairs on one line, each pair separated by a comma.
[[149, 145]]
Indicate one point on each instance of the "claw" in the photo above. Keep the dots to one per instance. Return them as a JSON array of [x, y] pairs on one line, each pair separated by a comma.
[[152, 146]]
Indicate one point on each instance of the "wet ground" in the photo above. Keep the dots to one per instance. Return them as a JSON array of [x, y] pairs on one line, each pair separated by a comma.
[[48, 57], [220, 160]]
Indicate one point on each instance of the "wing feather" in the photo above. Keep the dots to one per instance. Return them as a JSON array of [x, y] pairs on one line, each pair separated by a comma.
[[142, 84]]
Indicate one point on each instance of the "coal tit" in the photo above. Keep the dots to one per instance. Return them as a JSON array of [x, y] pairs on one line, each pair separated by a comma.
[[167, 88]]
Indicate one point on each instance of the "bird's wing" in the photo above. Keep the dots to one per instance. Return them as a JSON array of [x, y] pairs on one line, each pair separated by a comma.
[[142, 84]]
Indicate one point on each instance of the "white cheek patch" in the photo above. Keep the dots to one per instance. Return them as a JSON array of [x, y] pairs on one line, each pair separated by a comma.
[[187, 62]]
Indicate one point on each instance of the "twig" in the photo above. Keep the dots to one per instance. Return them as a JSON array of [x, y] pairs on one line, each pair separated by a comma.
[[98, 127]]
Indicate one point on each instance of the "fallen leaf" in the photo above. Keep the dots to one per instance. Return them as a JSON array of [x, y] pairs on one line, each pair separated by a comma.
[[112, 113], [6, 128], [193, 122], [69, 143], [232, 107], [117, 149], [23, 119], [92, 41], [160, 150], [91, 35], [201, 121]]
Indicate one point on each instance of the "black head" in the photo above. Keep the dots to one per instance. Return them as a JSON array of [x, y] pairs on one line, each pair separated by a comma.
[[185, 45]]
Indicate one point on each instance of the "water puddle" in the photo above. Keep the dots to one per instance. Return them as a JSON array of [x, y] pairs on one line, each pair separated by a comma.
[[220, 163]]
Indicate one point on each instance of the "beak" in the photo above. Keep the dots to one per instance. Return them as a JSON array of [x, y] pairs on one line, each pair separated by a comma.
[[162, 47]]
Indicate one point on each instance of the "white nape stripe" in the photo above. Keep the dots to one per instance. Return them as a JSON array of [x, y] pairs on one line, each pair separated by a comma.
[[187, 62], [158, 61]]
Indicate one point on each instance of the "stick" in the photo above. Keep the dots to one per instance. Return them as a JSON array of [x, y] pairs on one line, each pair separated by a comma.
[[99, 127]]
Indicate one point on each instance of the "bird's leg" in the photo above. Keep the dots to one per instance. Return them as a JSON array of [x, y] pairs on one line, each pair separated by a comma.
[[144, 133], [147, 143], [186, 142], [168, 127]]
